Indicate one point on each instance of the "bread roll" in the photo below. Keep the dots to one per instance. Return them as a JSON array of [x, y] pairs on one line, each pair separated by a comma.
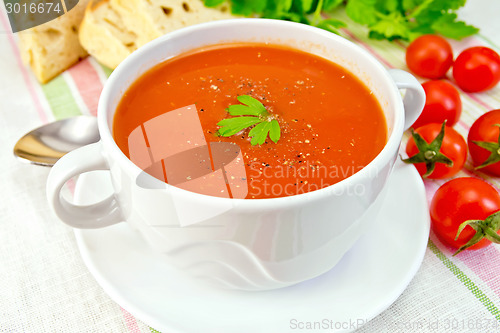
[[105, 36], [52, 47], [112, 29]]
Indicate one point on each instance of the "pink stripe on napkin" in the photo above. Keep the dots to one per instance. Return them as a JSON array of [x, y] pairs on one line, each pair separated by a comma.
[[485, 263], [88, 84], [131, 322]]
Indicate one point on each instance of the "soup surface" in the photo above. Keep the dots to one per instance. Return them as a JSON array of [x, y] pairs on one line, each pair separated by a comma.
[[331, 124]]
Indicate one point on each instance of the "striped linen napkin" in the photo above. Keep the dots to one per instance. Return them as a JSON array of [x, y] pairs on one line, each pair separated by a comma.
[[45, 287]]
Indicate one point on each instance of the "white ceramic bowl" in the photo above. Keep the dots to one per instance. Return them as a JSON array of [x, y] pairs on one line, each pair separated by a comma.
[[244, 244]]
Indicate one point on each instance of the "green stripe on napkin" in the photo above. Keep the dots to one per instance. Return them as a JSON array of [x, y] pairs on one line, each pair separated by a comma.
[[107, 71], [60, 99], [466, 281]]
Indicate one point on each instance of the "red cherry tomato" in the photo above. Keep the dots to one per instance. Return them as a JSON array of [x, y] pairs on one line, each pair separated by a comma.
[[429, 56], [442, 103], [453, 147], [477, 69], [485, 132], [460, 200]]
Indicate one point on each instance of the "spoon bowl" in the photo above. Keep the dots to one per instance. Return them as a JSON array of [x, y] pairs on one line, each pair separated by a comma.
[[48, 143]]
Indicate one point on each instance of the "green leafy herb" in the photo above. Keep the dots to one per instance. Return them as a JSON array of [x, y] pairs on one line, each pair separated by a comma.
[[386, 19], [213, 3], [252, 112]]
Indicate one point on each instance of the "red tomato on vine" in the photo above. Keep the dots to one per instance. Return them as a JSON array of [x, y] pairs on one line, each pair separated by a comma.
[[429, 56], [437, 151], [442, 102], [477, 69], [465, 214], [484, 142]]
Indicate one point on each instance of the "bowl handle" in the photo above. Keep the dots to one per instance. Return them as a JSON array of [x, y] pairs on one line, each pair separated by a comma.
[[414, 98], [76, 162]]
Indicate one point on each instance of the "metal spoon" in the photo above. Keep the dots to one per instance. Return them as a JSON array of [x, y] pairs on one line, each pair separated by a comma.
[[48, 143]]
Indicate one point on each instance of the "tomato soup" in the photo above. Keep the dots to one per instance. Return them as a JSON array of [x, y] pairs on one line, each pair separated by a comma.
[[331, 124]]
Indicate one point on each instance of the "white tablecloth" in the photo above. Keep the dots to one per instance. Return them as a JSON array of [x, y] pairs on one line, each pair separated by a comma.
[[45, 287]]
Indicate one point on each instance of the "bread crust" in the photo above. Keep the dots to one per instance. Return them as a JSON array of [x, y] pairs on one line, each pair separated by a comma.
[[109, 30], [52, 47], [112, 29], [104, 35]]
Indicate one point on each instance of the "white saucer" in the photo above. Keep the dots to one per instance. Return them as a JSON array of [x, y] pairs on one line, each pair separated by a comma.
[[368, 279]]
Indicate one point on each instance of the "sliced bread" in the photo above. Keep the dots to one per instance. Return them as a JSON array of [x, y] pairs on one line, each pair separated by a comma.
[[112, 29], [154, 18], [52, 47], [104, 34]]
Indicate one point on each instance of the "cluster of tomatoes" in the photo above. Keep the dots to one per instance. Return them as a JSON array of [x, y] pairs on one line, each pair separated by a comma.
[[465, 212]]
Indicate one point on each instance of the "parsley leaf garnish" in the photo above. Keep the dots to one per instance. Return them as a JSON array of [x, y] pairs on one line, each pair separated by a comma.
[[252, 112]]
